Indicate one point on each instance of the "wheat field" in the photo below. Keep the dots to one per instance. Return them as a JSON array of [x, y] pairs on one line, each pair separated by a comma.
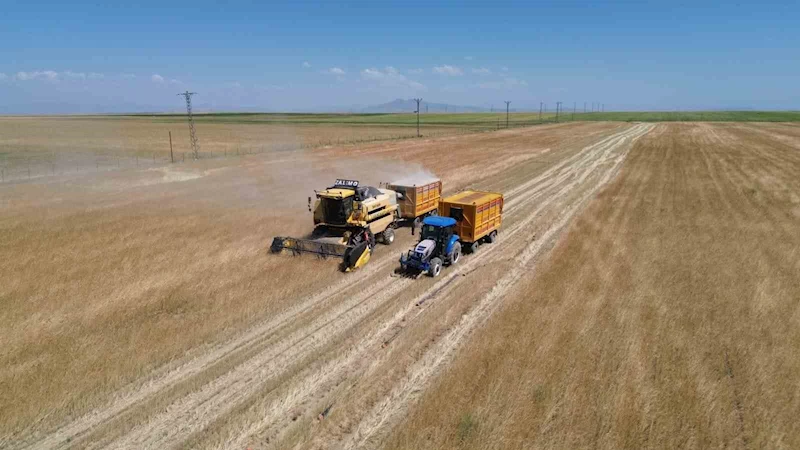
[[667, 317], [643, 293], [36, 147], [111, 275]]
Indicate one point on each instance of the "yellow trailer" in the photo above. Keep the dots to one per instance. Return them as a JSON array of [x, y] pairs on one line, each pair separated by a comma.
[[417, 197], [478, 216]]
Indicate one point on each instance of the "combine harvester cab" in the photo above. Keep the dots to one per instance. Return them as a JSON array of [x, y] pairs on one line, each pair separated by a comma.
[[348, 221]]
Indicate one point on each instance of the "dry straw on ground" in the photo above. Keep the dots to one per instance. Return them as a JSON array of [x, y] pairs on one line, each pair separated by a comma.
[[141, 308], [112, 275], [667, 317]]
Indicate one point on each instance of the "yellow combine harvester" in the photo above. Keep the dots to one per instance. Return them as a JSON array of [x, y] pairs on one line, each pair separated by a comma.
[[348, 220]]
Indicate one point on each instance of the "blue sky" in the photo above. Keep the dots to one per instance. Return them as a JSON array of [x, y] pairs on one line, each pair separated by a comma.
[[134, 56]]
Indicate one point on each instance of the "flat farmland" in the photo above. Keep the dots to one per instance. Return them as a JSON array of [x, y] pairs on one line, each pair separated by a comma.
[[666, 317], [133, 289], [34, 147], [141, 308]]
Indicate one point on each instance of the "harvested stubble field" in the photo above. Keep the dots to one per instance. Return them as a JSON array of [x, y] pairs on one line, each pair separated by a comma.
[[35, 147], [141, 308], [668, 316]]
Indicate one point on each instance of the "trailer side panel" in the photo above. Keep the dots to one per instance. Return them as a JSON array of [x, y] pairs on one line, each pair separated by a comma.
[[477, 213], [418, 200]]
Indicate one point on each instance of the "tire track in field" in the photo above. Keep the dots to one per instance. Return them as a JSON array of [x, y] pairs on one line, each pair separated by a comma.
[[338, 368], [168, 378], [304, 388], [566, 162], [176, 375], [224, 401], [196, 410], [444, 287], [397, 402], [558, 174], [172, 375]]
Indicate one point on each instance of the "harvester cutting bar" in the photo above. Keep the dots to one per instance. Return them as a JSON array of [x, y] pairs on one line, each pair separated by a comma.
[[298, 246]]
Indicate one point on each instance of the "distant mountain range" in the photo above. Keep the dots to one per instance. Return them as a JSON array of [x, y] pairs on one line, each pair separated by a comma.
[[409, 105]]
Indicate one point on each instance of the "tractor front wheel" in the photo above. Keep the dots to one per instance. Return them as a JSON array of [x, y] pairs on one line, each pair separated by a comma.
[[455, 253], [436, 267]]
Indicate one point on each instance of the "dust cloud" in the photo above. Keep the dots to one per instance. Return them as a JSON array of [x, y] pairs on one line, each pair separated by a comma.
[[295, 175]]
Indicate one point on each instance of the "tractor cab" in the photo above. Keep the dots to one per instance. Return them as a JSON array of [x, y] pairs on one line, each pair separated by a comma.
[[437, 246], [437, 229]]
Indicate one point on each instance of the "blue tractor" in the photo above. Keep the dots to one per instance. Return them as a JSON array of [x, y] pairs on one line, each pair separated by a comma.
[[438, 246]]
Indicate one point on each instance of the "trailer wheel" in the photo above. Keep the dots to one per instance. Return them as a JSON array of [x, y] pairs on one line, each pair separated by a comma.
[[436, 267], [455, 253], [387, 237], [434, 213], [473, 247], [492, 237]]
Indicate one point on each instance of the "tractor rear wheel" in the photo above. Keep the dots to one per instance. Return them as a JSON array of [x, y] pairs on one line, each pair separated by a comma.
[[436, 267]]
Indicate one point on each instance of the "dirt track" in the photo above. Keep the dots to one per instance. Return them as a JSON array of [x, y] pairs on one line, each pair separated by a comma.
[[364, 350]]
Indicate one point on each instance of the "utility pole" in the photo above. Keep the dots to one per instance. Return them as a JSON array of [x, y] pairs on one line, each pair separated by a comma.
[[558, 109], [574, 107], [540, 111], [417, 111], [507, 102], [192, 135]]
